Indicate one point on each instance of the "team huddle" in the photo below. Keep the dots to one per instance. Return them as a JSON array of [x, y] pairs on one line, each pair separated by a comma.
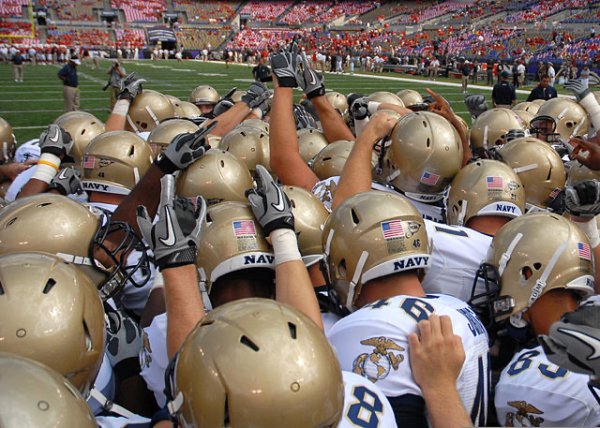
[[359, 260]]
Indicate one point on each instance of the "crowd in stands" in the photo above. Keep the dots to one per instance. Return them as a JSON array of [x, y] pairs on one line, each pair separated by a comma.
[[589, 16], [543, 9], [131, 37], [260, 39], [206, 12], [69, 36], [74, 11], [12, 8], [425, 14], [199, 38], [345, 8], [140, 10], [305, 10], [265, 11]]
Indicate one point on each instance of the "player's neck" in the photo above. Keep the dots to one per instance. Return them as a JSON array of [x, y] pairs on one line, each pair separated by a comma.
[[406, 284], [488, 225]]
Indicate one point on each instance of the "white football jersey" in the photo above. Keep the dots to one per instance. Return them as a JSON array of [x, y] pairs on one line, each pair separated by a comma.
[[154, 357], [122, 422], [365, 405], [373, 342], [325, 190], [534, 392], [456, 254]]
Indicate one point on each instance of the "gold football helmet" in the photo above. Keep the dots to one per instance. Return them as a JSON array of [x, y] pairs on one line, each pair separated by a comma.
[[51, 312], [527, 106], [82, 129], [386, 97], [261, 363], [250, 145], [237, 96], [409, 97], [570, 118], [539, 167], [490, 128], [147, 110], [309, 217], [114, 162], [172, 98], [339, 102], [232, 240], [70, 114], [204, 95], [218, 176], [538, 102], [530, 256], [370, 235], [259, 124], [8, 144], [579, 172], [310, 143], [484, 187], [185, 109], [424, 156], [34, 395], [160, 138], [330, 161], [525, 116], [57, 225]]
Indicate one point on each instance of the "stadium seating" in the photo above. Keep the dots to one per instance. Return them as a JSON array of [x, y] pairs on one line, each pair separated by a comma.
[[20, 29], [206, 12], [345, 8], [586, 17], [261, 38], [70, 36], [127, 37], [12, 8], [74, 11], [265, 11], [306, 10], [425, 14], [140, 10], [198, 38], [543, 8]]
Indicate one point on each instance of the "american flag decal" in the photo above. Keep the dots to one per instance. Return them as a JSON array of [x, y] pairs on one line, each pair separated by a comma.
[[554, 193], [429, 178], [495, 183], [392, 229], [89, 162], [244, 228], [583, 250]]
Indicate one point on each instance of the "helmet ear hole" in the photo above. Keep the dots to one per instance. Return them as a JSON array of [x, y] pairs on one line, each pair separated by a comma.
[[355, 218], [526, 273], [342, 268]]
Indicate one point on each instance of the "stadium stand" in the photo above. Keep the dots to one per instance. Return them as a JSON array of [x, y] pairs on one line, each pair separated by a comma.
[[345, 8], [69, 36], [195, 38], [140, 10], [585, 17], [543, 8], [131, 37], [12, 8], [424, 14], [261, 38], [305, 11], [206, 12], [263, 11], [74, 11], [19, 30]]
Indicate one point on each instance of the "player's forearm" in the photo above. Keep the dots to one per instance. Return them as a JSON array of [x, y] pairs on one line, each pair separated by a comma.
[[230, 119], [467, 153], [184, 305], [356, 175], [334, 126], [445, 407], [118, 116], [32, 187]]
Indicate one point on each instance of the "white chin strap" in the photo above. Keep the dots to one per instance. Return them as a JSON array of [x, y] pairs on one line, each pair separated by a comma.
[[540, 284], [505, 257], [463, 212], [355, 278]]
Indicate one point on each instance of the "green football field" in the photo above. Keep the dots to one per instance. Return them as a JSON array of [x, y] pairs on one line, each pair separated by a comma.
[[30, 106]]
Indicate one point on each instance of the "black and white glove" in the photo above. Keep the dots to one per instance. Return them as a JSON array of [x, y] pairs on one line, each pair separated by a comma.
[[66, 182], [303, 118], [175, 236], [222, 106], [184, 150], [130, 87], [56, 141], [359, 109], [256, 95], [285, 65], [311, 82], [476, 104], [124, 340], [573, 341], [271, 206], [583, 199], [578, 88]]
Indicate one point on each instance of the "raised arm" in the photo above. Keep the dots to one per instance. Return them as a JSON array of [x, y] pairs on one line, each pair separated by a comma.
[[130, 88]]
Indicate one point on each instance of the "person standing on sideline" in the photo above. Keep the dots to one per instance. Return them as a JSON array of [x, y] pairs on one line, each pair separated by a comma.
[[262, 72], [116, 75], [504, 94], [490, 73], [551, 73], [521, 70], [465, 70], [68, 74], [585, 74], [543, 91], [17, 63]]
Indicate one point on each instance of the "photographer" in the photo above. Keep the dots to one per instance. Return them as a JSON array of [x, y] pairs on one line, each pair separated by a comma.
[[117, 72]]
